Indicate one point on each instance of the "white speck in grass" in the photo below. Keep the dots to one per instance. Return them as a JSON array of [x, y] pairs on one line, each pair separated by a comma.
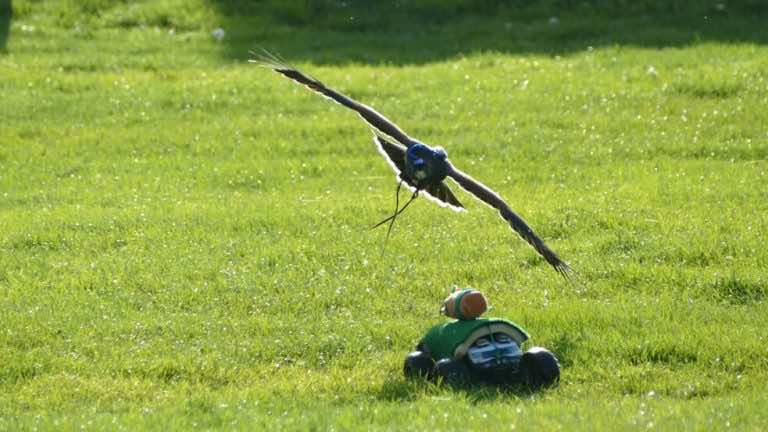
[[218, 34], [652, 71], [553, 21]]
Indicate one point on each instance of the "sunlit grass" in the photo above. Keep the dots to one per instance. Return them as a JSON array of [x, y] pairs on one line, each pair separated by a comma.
[[185, 237]]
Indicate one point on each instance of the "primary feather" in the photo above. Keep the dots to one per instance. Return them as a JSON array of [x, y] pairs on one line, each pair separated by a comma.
[[518, 224], [370, 115]]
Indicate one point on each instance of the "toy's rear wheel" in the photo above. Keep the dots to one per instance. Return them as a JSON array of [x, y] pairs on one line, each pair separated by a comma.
[[539, 368], [418, 364]]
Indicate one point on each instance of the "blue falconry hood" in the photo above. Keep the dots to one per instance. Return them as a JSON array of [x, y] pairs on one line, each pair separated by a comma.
[[426, 165]]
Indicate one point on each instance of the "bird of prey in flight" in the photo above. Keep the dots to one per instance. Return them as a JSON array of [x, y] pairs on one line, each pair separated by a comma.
[[422, 168]]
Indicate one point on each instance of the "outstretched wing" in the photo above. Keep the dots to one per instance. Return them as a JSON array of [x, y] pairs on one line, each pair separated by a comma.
[[395, 155], [373, 118], [486, 195]]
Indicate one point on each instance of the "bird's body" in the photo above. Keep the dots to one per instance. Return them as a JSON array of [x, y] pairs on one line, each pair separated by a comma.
[[423, 168]]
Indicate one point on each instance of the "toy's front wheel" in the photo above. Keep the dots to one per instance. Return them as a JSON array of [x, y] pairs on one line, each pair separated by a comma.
[[539, 368], [453, 372], [418, 364]]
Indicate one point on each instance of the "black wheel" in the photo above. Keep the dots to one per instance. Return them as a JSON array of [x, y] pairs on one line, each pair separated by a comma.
[[418, 364], [453, 372], [539, 368]]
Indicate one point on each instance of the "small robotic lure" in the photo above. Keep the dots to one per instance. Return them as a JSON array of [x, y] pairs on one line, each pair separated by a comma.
[[472, 350]]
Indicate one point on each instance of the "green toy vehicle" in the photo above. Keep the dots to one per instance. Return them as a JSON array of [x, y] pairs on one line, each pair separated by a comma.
[[471, 350]]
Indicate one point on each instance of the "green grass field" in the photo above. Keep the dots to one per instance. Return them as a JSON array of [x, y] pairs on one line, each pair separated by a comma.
[[185, 243]]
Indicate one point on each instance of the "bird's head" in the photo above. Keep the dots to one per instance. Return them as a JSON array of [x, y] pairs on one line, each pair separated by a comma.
[[440, 154], [424, 164]]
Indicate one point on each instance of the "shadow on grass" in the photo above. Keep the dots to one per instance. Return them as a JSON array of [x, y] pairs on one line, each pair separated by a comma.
[[735, 290], [5, 23], [402, 389], [422, 31], [564, 346]]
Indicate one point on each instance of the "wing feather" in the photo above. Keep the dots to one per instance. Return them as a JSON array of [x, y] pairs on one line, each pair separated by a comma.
[[393, 153], [370, 115], [442, 195], [491, 198]]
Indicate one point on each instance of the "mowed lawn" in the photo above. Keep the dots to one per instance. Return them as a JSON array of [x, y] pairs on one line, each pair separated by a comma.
[[185, 238]]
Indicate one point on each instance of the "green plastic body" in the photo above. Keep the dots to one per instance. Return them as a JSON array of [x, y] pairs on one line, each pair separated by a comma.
[[452, 339]]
